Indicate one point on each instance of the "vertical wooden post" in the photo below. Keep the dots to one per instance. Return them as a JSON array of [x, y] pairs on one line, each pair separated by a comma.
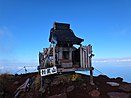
[[41, 82], [53, 54], [83, 57], [86, 57], [88, 60], [90, 64], [81, 64], [91, 71]]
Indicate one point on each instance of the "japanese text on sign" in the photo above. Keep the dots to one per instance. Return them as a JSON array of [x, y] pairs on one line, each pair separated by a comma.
[[48, 71]]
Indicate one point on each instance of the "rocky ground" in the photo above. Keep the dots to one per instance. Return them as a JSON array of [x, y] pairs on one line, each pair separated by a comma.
[[67, 85]]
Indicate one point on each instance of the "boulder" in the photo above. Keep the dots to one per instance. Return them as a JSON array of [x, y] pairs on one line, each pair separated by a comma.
[[42, 90], [119, 79], [125, 87], [113, 83], [63, 95], [55, 82], [117, 95], [94, 93], [84, 84], [70, 88], [47, 81], [16, 83], [2, 94], [2, 91]]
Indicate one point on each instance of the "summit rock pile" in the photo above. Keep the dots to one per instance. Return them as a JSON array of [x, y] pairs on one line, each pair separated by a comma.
[[68, 85]]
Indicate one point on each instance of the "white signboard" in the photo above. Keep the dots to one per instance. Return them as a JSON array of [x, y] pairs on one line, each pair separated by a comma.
[[48, 71]]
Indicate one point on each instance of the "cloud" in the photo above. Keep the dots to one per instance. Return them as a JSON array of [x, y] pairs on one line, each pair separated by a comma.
[[27, 67], [1, 67], [113, 60], [15, 65]]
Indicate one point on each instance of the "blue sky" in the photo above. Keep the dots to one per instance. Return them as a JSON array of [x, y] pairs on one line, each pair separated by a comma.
[[25, 26]]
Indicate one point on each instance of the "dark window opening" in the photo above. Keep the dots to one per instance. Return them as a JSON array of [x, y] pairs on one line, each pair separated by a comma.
[[65, 54]]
